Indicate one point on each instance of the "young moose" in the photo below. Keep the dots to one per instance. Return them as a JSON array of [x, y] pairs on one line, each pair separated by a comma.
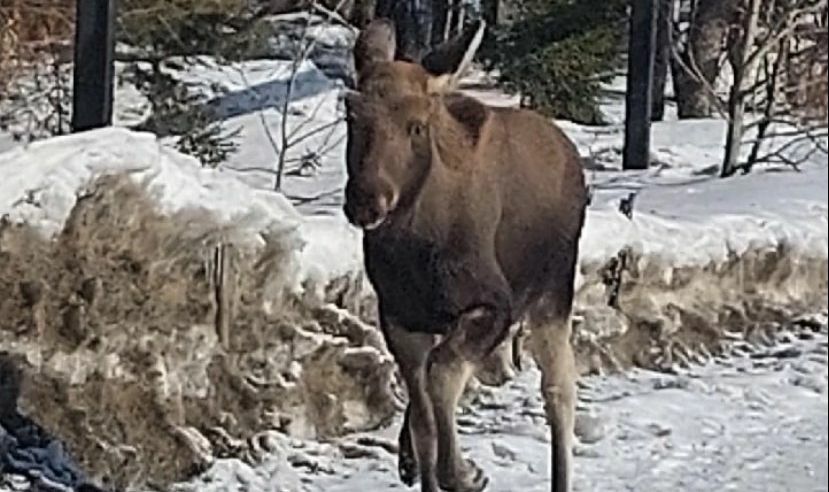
[[472, 217]]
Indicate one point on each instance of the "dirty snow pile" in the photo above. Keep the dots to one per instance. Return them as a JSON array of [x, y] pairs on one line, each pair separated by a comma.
[[117, 309], [43, 181]]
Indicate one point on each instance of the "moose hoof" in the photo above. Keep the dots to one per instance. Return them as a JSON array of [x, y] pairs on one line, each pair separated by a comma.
[[407, 467], [470, 478]]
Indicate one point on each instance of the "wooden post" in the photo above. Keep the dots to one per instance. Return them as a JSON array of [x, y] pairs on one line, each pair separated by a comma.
[[224, 285], [641, 49], [94, 51]]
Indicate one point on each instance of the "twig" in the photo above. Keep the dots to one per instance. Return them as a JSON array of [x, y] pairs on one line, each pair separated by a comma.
[[780, 155], [315, 131], [305, 48], [246, 170], [333, 15], [289, 87], [772, 71], [261, 116], [310, 117]]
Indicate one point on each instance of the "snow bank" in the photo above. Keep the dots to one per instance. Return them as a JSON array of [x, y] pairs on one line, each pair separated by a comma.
[[119, 296], [707, 222], [42, 181]]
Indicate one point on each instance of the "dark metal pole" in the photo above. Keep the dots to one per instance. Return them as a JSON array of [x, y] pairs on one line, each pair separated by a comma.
[[641, 49], [94, 72]]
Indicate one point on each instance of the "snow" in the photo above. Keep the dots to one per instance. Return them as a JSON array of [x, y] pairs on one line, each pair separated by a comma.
[[42, 181], [250, 96], [753, 422]]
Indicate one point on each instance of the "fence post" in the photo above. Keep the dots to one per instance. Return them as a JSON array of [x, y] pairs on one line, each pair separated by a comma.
[[641, 50], [94, 71]]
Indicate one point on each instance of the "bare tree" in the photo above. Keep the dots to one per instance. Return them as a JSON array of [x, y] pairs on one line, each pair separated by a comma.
[[294, 130], [302, 49], [766, 47], [699, 54], [777, 54]]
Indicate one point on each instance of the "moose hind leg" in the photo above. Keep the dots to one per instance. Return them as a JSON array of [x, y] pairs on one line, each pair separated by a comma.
[[450, 366], [551, 349]]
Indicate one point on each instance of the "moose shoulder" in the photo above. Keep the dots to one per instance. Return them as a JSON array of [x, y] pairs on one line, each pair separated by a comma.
[[472, 217]]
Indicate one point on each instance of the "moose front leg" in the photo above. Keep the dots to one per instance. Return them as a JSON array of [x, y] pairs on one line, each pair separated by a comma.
[[418, 435], [450, 366]]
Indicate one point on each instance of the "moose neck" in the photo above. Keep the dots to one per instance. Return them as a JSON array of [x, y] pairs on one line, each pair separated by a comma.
[[433, 211]]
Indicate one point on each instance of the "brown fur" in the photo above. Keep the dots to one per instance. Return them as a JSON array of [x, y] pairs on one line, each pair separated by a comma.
[[473, 216]]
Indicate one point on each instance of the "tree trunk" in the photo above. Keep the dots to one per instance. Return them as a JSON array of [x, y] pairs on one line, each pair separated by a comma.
[[460, 18], [489, 9], [662, 58], [736, 98], [440, 20], [413, 25], [696, 71]]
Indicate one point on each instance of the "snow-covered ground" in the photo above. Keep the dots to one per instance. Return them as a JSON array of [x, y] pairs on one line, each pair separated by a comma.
[[754, 422]]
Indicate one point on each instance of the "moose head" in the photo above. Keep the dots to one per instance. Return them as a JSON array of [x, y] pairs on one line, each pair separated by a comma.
[[400, 118]]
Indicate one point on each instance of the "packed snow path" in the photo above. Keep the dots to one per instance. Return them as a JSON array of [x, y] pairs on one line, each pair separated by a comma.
[[755, 421]]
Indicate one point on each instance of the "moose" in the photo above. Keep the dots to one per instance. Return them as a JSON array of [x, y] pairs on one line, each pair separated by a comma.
[[471, 219]]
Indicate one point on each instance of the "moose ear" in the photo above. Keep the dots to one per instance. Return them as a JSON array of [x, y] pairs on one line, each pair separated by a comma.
[[447, 62], [376, 43], [469, 112]]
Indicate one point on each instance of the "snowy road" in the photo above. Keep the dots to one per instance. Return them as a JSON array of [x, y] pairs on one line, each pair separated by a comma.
[[753, 422]]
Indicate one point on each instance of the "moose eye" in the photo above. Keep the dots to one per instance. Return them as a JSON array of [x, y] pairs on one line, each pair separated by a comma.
[[417, 129]]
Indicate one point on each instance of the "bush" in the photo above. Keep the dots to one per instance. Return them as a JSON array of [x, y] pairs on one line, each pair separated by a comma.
[[227, 29], [158, 30], [558, 53]]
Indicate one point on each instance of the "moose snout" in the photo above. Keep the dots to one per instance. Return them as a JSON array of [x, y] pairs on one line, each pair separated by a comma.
[[367, 209]]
